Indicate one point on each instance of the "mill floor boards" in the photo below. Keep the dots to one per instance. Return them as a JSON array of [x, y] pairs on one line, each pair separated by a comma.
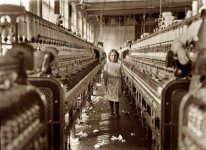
[[99, 130]]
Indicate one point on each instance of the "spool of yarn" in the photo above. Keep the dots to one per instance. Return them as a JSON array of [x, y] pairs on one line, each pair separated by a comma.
[[188, 14], [203, 2], [194, 7]]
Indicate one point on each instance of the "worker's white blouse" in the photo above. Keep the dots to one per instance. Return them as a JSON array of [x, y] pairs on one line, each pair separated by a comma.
[[112, 76]]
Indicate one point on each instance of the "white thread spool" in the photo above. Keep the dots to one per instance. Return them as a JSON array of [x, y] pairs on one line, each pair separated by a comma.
[[194, 8], [66, 118], [203, 2]]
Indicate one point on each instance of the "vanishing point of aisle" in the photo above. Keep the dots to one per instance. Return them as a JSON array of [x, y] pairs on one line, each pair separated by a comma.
[[99, 130]]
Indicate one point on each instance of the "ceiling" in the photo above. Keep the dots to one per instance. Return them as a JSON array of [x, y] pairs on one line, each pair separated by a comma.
[[107, 8]]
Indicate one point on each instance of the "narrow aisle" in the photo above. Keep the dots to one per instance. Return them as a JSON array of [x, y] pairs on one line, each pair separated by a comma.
[[99, 130]]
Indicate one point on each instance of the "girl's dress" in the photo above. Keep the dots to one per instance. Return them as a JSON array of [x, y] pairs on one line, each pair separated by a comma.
[[112, 75]]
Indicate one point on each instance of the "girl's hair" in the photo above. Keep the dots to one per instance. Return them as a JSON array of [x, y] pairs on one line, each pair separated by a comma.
[[113, 51]]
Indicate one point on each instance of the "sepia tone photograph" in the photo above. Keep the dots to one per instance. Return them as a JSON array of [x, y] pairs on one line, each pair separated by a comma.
[[102, 75]]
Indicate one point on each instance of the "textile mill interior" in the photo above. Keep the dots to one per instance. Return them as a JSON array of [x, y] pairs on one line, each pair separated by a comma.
[[103, 74]]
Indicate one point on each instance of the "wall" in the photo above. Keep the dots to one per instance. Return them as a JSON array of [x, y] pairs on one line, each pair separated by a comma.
[[114, 36]]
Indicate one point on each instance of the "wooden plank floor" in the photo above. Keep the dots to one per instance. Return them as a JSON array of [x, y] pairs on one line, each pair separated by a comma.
[[109, 129]]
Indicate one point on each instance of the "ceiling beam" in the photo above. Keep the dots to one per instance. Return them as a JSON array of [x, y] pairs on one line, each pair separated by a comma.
[[136, 4], [112, 8], [127, 12]]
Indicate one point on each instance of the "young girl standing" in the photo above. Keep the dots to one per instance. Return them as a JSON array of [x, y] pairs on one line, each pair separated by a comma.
[[113, 81]]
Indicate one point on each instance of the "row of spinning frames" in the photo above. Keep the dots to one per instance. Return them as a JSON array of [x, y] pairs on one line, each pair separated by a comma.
[[157, 84], [46, 76]]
